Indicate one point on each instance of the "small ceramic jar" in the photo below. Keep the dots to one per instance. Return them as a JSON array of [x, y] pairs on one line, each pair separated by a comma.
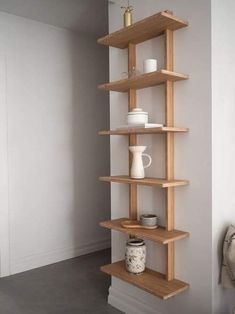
[[149, 220], [135, 256], [150, 65], [137, 116]]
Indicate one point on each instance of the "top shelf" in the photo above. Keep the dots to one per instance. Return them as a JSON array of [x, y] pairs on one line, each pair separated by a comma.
[[143, 30]]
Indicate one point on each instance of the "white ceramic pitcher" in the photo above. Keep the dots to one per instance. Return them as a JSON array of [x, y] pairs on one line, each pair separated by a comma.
[[137, 167]]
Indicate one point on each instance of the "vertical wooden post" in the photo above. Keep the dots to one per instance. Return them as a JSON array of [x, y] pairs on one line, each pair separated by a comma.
[[132, 137], [170, 250]]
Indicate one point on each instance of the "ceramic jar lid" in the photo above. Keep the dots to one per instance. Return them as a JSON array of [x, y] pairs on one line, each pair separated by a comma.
[[136, 242], [137, 111]]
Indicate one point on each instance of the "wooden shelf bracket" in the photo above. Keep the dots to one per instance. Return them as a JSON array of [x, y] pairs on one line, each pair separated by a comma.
[[169, 120], [132, 137]]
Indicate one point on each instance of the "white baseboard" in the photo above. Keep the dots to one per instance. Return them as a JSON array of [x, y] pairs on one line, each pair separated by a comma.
[[128, 304], [43, 259]]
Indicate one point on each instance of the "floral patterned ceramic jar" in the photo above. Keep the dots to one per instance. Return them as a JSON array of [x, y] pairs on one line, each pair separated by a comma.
[[135, 256]]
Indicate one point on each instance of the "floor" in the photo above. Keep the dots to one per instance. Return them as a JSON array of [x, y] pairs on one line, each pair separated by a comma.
[[75, 286]]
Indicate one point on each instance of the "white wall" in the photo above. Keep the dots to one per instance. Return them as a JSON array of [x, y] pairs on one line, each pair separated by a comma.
[[223, 130], [50, 154], [85, 16], [193, 204]]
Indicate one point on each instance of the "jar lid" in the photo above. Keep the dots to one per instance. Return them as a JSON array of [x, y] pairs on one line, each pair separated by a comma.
[[149, 216], [136, 242], [136, 111]]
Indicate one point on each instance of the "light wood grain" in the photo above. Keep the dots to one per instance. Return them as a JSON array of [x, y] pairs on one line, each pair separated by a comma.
[[150, 281], [135, 224], [160, 130], [170, 261], [163, 183], [143, 30], [159, 235], [143, 81], [169, 99], [132, 137]]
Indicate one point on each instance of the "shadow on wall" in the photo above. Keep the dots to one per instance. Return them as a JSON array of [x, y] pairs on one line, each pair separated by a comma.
[[91, 156]]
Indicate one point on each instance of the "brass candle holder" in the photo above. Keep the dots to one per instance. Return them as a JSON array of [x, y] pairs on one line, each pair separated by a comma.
[[127, 16]]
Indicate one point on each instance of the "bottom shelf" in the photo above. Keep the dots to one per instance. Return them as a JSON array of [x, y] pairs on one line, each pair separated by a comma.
[[150, 281]]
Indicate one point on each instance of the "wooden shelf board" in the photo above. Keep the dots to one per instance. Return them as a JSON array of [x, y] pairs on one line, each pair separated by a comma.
[[150, 281], [159, 235], [143, 30], [128, 131], [146, 181], [143, 81]]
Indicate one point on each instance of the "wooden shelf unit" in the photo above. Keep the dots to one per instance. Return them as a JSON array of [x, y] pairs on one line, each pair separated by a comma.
[[150, 281], [159, 235], [160, 130], [143, 81], [143, 30], [163, 23], [162, 183]]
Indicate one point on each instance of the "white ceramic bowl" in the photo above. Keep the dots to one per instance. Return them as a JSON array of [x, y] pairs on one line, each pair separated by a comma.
[[137, 116]]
